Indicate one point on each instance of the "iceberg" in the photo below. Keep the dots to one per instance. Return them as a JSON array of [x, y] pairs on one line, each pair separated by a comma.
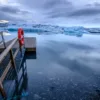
[[78, 31], [47, 29]]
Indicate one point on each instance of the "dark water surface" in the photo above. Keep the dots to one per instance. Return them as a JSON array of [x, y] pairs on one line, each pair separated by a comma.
[[65, 68]]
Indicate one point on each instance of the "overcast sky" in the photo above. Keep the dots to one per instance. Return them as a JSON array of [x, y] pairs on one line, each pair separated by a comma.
[[56, 12]]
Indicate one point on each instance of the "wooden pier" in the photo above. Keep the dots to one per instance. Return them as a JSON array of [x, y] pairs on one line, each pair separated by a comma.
[[30, 44], [12, 49]]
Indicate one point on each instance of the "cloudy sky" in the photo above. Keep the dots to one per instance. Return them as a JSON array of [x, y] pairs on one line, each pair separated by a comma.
[[56, 12]]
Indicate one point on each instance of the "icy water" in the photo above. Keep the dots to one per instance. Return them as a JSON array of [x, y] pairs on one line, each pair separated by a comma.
[[66, 68]]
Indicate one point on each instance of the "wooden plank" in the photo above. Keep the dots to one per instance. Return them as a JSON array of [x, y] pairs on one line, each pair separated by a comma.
[[30, 42], [5, 52], [8, 67]]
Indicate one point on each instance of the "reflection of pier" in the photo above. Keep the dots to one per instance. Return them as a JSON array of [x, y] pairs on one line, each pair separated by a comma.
[[13, 67], [21, 83]]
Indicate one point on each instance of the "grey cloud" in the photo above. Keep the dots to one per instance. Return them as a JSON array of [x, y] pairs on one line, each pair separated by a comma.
[[9, 9], [89, 5], [5, 16], [59, 9], [85, 12], [95, 4], [46, 5], [52, 11], [9, 13], [50, 8], [69, 11], [57, 4], [59, 13], [95, 20]]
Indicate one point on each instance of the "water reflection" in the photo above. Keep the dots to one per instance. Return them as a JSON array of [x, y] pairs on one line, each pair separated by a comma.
[[21, 83], [66, 68], [16, 84], [30, 55]]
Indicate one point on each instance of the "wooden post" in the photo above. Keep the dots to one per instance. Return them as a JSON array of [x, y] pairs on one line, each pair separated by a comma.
[[21, 50], [2, 90], [13, 61], [20, 47], [3, 40], [12, 58]]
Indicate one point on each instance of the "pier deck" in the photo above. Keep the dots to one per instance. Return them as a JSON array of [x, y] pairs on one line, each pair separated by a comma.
[[30, 44]]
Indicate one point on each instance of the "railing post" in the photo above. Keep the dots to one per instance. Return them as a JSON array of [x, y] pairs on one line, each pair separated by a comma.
[[13, 61], [12, 58], [3, 40], [2, 90], [20, 49]]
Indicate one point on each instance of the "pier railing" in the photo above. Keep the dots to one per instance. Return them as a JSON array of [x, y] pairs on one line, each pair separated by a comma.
[[10, 64], [2, 39], [12, 56]]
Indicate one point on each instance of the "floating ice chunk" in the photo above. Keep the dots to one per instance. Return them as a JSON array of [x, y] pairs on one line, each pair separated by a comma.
[[37, 97], [51, 79], [40, 73]]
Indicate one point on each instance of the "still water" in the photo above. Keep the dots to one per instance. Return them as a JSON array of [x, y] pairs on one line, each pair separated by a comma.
[[65, 68]]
